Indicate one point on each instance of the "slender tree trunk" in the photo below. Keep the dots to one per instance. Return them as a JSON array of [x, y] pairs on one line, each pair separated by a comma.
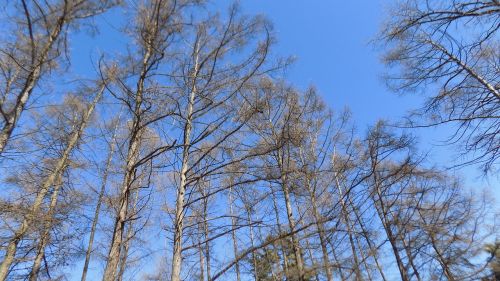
[[347, 221], [319, 226], [321, 234], [206, 231], [233, 233], [408, 254], [291, 220], [364, 258], [128, 239], [337, 261], [382, 213], [121, 218], [252, 242], [45, 238], [444, 265], [202, 259], [31, 81], [59, 167], [99, 202], [367, 239], [278, 224], [480, 79], [179, 207], [130, 170], [442, 261]]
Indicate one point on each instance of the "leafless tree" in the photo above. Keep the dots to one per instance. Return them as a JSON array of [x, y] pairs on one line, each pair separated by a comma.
[[49, 183], [35, 49], [449, 49]]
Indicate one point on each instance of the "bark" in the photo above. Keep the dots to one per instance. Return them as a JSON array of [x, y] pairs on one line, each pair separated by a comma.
[[11, 118], [128, 239], [382, 213], [206, 231], [321, 234], [291, 219], [319, 225], [202, 259], [444, 264], [364, 231], [179, 208], [474, 74], [408, 254], [308, 247], [130, 170]]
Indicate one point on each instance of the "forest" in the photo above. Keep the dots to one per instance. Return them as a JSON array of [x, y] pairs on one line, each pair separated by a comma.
[[186, 153]]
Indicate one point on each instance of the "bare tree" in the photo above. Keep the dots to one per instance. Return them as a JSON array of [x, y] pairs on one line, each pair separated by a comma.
[[48, 184], [449, 49], [208, 91], [40, 42], [100, 198], [156, 26]]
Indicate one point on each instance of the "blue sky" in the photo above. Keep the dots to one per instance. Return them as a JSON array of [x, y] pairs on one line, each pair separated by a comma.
[[332, 43]]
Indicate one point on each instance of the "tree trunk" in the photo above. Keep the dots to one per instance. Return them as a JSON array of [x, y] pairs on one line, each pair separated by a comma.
[[179, 207], [130, 170], [233, 233], [45, 238], [291, 220], [278, 224], [367, 239], [128, 239], [59, 167], [114, 251], [382, 213], [207, 234], [319, 224], [347, 221], [202, 259], [31, 81], [99, 203]]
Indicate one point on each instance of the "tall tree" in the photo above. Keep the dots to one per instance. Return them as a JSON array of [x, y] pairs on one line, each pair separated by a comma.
[[50, 182], [450, 50], [156, 25], [34, 50], [208, 89]]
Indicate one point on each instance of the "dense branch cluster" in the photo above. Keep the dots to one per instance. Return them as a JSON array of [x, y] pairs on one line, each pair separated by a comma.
[[188, 156], [450, 50]]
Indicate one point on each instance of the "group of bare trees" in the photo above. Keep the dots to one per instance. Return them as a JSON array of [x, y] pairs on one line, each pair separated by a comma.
[[186, 155]]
